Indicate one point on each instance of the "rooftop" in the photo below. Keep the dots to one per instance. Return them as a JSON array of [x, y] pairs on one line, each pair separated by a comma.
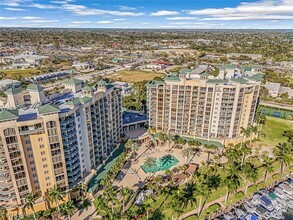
[[129, 117], [73, 81]]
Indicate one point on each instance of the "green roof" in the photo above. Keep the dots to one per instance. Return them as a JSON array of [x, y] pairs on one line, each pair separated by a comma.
[[47, 109], [85, 99], [13, 90], [73, 81], [247, 68], [239, 80], [8, 115], [230, 66], [172, 77], [73, 102], [34, 87], [216, 81], [256, 77], [116, 60], [88, 88], [184, 71], [153, 83], [102, 82]]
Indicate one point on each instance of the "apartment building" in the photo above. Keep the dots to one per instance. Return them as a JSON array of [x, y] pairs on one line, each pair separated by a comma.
[[203, 105], [46, 143]]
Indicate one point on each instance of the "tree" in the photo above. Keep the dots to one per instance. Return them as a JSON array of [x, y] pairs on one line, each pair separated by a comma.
[[3, 213], [250, 173], [150, 162], [268, 166], [232, 183], [244, 150], [56, 195], [187, 152], [253, 130], [209, 148], [147, 204], [124, 193], [163, 137], [283, 153], [67, 209], [30, 201], [203, 192], [245, 134], [130, 144]]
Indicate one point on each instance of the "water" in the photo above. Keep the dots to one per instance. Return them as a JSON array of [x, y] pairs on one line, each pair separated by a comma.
[[289, 215], [163, 163]]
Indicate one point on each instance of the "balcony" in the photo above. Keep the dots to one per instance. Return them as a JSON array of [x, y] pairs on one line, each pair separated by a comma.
[[30, 131]]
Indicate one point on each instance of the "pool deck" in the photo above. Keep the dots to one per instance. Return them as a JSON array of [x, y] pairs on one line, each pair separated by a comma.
[[134, 176]]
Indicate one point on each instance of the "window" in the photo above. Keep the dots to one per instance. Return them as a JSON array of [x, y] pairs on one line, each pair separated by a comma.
[[43, 152], [27, 142], [44, 159], [40, 139], [42, 146], [47, 178], [45, 165], [46, 172]]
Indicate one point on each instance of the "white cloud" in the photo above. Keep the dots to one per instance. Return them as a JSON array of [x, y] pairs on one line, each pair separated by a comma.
[[260, 10], [126, 8], [31, 18], [119, 19], [12, 3], [182, 18], [83, 10], [104, 22], [42, 6], [42, 21], [81, 22], [164, 13], [14, 9], [8, 18]]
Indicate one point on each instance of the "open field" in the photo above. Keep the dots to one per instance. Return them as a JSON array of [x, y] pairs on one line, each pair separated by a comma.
[[134, 76], [274, 129], [15, 73]]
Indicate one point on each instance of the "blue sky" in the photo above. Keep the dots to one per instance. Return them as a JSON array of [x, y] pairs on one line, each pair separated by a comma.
[[175, 14]]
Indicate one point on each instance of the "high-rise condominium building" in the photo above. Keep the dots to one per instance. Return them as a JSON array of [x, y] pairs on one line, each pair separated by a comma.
[[47, 143], [196, 104]]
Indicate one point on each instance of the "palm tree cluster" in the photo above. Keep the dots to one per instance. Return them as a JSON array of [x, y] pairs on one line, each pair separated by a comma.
[[110, 204], [242, 170]]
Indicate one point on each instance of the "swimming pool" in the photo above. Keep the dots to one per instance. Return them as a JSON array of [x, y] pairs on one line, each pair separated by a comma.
[[162, 163]]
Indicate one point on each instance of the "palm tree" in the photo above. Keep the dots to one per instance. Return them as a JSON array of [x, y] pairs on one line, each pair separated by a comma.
[[147, 204], [268, 166], [209, 148], [187, 152], [244, 150], [250, 173], [176, 207], [203, 192], [3, 213], [150, 162], [124, 193], [253, 130], [55, 195], [67, 209], [245, 134], [163, 137], [100, 206], [232, 183], [283, 153], [30, 201]]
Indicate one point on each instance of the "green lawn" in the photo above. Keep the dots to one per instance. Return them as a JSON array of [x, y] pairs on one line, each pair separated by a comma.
[[274, 129]]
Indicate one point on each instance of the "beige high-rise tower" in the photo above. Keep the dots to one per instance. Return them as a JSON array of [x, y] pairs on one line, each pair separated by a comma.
[[199, 105]]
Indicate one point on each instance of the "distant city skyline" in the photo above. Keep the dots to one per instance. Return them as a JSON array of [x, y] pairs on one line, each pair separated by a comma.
[[160, 14]]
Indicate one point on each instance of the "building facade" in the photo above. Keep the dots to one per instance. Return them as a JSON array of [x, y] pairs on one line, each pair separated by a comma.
[[202, 106], [43, 145]]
